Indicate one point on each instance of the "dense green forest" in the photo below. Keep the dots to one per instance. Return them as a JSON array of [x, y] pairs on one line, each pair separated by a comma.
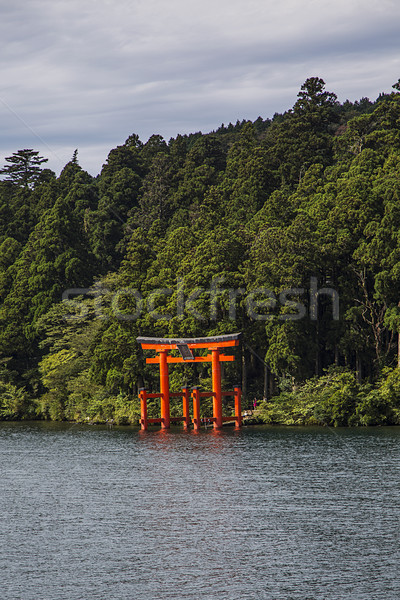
[[286, 229]]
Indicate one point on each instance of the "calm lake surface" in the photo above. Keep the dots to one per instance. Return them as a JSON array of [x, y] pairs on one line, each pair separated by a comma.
[[265, 513]]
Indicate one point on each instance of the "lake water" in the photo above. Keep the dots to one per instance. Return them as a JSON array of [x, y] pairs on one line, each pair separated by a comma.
[[90, 513]]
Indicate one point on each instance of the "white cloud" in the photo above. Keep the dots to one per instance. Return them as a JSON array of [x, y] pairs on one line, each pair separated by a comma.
[[89, 73]]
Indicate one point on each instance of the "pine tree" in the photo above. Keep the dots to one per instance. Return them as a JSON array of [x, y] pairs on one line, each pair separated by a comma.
[[24, 169]]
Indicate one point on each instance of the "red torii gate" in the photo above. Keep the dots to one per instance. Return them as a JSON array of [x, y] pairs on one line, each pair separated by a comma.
[[185, 346]]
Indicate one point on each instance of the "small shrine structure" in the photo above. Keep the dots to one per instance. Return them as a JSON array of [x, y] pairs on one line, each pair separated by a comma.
[[215, 346]]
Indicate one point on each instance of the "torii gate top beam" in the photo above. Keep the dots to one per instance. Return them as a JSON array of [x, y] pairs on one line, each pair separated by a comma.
[[214, 342]]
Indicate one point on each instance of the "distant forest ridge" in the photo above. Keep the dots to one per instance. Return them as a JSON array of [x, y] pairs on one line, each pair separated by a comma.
[[286, 229]]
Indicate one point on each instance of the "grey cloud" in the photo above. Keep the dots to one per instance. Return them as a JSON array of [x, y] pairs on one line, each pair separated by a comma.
[[87, 74]]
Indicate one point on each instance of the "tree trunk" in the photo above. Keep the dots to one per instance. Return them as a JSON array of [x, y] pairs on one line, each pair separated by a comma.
[[358, 368], [317, 351], [265, 381], [336, 355], [244, 373], [271, 382], [398, 350]]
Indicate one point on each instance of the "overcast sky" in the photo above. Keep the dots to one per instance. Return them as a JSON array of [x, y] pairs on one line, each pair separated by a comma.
[[88, 73]]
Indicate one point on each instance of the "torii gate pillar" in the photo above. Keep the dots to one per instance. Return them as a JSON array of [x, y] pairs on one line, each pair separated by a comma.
[[216, 388], [164, 389]]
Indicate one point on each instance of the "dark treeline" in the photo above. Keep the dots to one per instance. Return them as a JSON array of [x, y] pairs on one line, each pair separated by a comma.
[[286, 229]]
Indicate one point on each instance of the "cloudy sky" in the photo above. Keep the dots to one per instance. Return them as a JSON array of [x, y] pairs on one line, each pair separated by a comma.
[[88, 73]]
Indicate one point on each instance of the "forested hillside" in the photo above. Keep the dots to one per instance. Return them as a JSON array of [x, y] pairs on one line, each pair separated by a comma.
[[286, 229]]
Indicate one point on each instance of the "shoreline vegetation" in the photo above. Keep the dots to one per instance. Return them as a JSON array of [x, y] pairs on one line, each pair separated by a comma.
[[285, 229], [334, 399]]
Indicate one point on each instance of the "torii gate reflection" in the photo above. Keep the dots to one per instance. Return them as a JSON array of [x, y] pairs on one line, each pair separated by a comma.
[[185, 346]]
